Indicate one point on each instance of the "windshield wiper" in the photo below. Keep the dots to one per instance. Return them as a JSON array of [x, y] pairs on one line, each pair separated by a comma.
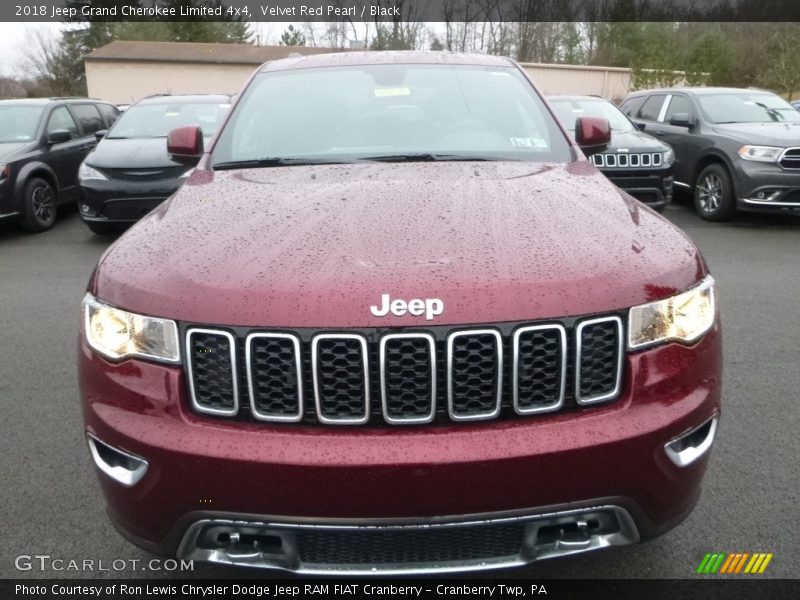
[[425, 157], [276, 161]]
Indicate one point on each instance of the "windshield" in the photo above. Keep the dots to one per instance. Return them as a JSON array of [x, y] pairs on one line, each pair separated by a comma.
[[157, 120], [19, 123], [389, 112], [747, 108], [569, 110]]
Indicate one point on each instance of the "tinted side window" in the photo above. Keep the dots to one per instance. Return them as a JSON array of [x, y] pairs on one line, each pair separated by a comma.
[[61, 119], [629, 107], [88, 117], [110, 114], [651, 108], [678, 104]]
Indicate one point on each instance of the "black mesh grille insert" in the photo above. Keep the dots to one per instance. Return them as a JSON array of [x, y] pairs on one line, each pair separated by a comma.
[[412, 546], [340, 382], [475, 374], [791, 160], [598, 362], [540, 368], [408, 373], [212, 371], [481, 363], [273, 372]]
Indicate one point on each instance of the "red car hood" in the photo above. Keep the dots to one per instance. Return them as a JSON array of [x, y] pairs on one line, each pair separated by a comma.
[[317, 246]]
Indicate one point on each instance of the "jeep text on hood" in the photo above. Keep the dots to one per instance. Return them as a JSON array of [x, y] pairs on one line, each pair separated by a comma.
[[392, 300]]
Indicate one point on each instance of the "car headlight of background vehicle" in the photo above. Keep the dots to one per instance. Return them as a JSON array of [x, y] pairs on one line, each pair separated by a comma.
[[86, 172], [760, 153], [118, 334], [683, 318], [668, 157]]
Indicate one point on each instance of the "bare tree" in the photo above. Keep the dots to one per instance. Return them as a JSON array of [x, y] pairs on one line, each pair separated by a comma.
[[54, 62]]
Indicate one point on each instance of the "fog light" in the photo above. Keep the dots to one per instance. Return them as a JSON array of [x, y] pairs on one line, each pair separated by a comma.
[[689, 447], [760, 195], [85, 208]]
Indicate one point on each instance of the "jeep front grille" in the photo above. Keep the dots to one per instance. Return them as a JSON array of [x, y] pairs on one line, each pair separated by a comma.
[[404, 376], [624, 160]]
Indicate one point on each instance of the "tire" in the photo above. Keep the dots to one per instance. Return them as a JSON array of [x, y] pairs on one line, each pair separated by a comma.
[[40, 206], [713, 194], [102, 228]]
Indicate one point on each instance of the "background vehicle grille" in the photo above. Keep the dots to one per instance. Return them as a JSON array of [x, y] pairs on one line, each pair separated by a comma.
[[405, 375], [151, 174], [791, 159], [624, 160]]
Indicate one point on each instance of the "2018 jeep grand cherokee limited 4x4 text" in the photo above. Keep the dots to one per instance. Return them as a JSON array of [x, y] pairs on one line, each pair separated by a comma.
[[395, 321]]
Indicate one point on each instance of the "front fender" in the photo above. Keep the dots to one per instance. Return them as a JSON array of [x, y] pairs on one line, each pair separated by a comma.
[[25, 173]]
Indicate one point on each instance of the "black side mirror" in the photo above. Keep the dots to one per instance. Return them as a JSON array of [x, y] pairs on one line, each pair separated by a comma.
[[58, 136], [100, 134], [640, 126], [681, 120]]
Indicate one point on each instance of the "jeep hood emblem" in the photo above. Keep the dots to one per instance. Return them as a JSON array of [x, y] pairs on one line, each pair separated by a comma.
[[430, 307]]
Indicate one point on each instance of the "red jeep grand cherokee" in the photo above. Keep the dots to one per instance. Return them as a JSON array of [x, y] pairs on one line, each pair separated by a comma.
[[396, 322]]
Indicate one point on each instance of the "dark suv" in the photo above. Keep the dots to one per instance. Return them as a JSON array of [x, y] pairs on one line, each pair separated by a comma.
[[634, 161], [42, 143], [735, 148]]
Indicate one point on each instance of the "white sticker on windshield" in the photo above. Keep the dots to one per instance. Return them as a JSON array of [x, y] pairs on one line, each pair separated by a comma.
[[527, 142]]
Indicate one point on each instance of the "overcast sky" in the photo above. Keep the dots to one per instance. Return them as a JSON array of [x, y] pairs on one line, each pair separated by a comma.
[[14, 35]]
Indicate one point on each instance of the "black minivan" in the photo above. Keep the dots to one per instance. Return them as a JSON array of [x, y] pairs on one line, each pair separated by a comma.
[[130, 172], [42, 143]]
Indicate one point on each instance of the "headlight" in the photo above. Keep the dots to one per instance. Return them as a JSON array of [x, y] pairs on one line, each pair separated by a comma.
[[684, 318], [668, 158], [86, 172], [760, 153], [118, 334]]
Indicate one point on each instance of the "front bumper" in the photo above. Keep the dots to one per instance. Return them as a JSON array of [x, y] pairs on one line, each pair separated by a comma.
[[766, 187], [279, 476], [122, 201], [653, 189]]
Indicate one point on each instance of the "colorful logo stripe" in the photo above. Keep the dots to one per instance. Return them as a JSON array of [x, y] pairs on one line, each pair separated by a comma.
[[734, 563]]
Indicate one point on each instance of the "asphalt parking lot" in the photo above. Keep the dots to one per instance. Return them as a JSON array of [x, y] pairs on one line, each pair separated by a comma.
[[52, 503]]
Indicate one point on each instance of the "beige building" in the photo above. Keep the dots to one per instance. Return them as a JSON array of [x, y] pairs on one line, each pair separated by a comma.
[[124, 72], [609, 82]]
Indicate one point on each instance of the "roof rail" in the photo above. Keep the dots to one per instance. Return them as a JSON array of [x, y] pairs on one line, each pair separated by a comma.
[[71, 98]]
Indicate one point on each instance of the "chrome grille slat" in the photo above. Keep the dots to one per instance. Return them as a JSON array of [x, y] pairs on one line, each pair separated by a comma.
[[284, 386], [606, 384], [539, 374], [625, 160], [344, 411], [221, 395], [473, 368], [412, 396]]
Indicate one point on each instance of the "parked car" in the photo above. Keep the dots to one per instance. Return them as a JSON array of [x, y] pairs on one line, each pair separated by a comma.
[[737, 149], [42, 142], [129, 172], [395, 321], [634, 161]]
